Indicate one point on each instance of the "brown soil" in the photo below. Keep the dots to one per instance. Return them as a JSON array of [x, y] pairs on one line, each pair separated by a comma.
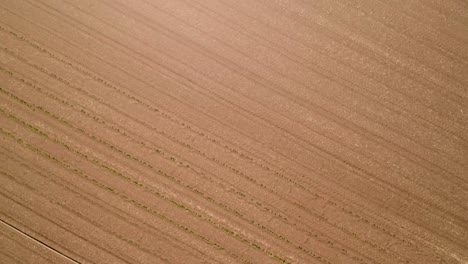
[[219, 131]]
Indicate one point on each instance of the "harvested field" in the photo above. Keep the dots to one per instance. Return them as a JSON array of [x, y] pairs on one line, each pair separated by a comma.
[[250, 131]]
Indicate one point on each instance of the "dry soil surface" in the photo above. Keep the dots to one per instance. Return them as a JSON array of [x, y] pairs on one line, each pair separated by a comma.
[[248, 131]]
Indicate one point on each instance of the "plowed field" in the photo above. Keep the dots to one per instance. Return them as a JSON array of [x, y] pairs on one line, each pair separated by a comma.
[[249, 131]]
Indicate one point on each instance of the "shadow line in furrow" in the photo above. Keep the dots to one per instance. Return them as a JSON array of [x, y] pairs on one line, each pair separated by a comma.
[[35, 239], [10, 196], [112, 191], [109, 208], [16, 243], [83, 217]]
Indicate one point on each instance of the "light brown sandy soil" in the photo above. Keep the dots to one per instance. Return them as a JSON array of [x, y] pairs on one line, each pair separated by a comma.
[[219, 131]]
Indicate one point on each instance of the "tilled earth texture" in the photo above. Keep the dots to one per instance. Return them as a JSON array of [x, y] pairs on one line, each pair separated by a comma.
[[221, 131]]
